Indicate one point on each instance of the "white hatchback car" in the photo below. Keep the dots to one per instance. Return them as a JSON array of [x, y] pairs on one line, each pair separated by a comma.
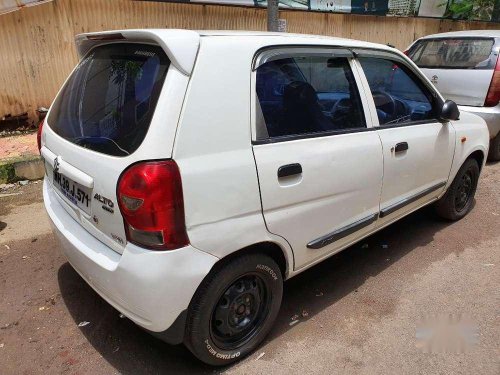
[[465, 67], [189, 173]]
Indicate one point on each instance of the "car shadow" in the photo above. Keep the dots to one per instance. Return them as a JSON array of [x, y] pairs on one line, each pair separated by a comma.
[[131, 350]]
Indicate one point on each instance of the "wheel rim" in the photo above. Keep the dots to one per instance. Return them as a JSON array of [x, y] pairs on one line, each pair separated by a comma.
[[464, 190], [240, 311]]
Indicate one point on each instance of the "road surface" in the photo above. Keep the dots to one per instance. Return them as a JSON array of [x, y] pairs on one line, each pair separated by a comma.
[[359, 312]]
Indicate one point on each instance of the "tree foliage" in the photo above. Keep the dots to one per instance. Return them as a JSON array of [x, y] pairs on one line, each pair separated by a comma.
[[469, 9]]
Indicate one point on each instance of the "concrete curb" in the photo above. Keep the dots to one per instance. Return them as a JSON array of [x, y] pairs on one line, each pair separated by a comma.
[[21, 169]]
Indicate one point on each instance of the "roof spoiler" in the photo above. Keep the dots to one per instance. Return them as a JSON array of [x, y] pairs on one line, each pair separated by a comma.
[[181, 46]]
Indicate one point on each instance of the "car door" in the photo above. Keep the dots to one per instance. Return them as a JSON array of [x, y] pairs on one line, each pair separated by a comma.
[[418, 149], [319, 162]]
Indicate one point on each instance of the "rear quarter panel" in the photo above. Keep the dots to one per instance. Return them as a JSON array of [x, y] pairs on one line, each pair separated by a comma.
[[214, 153]]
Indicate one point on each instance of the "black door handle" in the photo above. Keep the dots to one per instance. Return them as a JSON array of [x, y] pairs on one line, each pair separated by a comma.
[[289, 170], [400, 147]]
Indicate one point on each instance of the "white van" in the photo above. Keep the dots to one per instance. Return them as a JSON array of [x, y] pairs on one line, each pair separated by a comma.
[[189, 173], [465, 67]]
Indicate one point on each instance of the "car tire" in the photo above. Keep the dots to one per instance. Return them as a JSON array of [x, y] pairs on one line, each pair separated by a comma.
[[494, 153], [234, 309], [459, 199]]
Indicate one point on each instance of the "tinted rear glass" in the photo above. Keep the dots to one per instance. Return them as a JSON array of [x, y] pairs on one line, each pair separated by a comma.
[[465, 53], [109, 100], [308, 94]]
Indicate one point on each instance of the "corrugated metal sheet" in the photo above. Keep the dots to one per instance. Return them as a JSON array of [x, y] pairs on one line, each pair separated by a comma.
[[7, 6]]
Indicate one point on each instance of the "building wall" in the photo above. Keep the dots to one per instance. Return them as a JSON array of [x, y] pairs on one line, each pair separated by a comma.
[[37, 51]]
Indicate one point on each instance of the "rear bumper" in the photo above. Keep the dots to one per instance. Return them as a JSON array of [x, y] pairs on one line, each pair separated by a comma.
[[152, 288], [489, 114]]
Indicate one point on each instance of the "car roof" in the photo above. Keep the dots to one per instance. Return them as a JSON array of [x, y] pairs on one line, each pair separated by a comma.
[[468, 33], [293, 38], [260, 33], [270, 36], [244, 33], [181, 45]]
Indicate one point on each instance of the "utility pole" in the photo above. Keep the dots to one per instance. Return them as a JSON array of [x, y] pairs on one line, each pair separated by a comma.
[[272, 15]]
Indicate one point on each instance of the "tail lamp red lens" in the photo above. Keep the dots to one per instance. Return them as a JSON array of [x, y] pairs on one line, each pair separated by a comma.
[[152, 205], [39, 135], [493, 96]]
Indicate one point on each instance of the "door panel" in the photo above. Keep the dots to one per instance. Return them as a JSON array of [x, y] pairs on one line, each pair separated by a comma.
[[319, 166], [424, 165], [418, 150], [339, 185]]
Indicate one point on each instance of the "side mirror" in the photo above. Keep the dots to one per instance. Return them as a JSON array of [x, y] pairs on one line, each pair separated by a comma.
[[449, 111]]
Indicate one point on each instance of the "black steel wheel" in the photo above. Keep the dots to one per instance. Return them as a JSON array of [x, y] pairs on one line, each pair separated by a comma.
[[459, 198], [239, 312], [234, 309], [464, 189]]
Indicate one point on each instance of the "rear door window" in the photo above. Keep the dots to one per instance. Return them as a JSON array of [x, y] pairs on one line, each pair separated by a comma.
[[308, 94], [108, 102], [465, 53]]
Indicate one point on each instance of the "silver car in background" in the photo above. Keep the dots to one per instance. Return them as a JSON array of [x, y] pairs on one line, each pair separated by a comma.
[[465, 67]]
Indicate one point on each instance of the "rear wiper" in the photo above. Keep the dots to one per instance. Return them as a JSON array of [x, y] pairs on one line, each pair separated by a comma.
[[78, 139]]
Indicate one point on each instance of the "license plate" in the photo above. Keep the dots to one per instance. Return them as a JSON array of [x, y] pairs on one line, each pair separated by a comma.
[[77, 194]]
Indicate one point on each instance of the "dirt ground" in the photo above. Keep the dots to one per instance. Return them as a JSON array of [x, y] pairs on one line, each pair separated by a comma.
[[358, 312], [18, 146]]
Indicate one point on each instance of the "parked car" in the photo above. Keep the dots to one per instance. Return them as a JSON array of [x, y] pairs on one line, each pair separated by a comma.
[[188, 174], [465, 67]]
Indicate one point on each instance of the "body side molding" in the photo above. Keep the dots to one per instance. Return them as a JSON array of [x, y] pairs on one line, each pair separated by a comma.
[[390, 209], [342, 232]]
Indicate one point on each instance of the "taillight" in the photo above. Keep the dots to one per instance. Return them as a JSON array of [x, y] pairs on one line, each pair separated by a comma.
[[406, 52], [493, 96], [39, 135], [151, 202]]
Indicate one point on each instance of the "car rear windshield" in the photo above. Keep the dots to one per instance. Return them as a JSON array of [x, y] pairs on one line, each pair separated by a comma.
[[108, 102], [461, 53]]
